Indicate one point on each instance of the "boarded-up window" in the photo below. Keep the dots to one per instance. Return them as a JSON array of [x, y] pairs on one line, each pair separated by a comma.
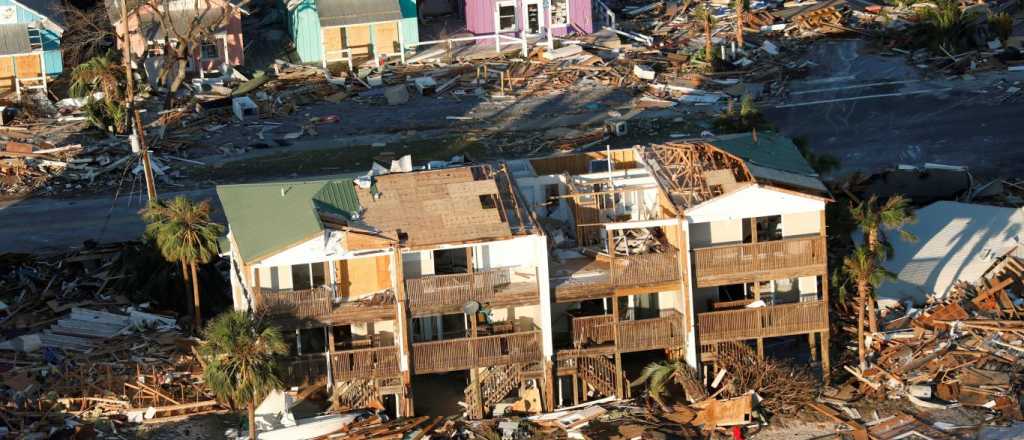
[[386, 35]]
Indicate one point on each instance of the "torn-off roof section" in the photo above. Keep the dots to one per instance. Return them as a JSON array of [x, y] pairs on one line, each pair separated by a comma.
[[349, 12], [450, 205]]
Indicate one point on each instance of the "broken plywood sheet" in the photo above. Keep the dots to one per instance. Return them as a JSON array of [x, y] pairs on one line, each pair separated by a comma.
[[727, 412]]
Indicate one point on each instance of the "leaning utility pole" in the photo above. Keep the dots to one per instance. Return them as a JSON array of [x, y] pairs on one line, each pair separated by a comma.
[[138, 131]]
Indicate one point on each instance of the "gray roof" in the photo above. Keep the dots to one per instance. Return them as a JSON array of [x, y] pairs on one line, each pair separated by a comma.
[[14, 39], [349, 12]]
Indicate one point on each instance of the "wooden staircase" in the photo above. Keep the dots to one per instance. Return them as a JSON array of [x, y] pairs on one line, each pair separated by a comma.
[[495, 384], [354, 394], [599, 373]]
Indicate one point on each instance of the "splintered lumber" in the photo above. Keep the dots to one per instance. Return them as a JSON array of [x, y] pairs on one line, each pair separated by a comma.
[[859, 431]]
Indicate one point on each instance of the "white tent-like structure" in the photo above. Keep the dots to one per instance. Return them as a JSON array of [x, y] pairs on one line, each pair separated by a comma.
[[955, 242]]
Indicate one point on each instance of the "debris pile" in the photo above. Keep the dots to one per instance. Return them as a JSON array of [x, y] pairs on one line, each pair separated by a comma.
[[964, 350], [74, 350]]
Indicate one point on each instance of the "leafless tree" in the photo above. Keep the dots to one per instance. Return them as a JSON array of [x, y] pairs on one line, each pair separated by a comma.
[[87, 34], [183, 26]]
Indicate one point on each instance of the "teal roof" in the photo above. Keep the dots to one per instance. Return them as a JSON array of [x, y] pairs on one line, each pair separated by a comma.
[[268, 217], [771, 150]]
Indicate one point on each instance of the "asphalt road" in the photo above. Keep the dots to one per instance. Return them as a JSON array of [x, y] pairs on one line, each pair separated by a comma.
[[870, 111], [43, 225], [874, 111]]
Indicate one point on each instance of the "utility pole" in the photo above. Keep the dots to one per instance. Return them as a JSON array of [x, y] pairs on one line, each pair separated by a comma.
[[138, 131]]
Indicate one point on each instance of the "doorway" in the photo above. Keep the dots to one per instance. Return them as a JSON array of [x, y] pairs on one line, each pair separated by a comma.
[[533, 18]]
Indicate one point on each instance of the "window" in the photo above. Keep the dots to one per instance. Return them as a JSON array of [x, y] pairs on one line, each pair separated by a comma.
[[208, 51], [308, 276], [488, 201], [559, 12], [507, 17], [300, 277]]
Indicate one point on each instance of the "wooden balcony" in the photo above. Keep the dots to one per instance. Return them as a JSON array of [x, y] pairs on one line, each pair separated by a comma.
[[319, 305], [439, 294], [305, 369], [483, 351], [634, 335], [365, 363], [629, 274], [762, 322], [770, 260]]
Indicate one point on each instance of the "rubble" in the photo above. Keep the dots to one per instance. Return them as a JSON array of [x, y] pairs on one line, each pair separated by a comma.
[[74, 350], [960, 352]]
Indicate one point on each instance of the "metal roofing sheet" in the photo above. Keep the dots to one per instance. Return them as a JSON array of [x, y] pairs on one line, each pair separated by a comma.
[[349, 12], [765, 149]]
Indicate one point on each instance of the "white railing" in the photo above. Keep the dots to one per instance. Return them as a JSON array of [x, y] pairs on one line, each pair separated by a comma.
[[343, 55], [496, 37]]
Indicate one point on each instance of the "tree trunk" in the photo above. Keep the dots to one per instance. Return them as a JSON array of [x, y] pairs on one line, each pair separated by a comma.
[[739, 23], [195, 298], [862, 294], [252, 420], [874, 246], [709, 51]]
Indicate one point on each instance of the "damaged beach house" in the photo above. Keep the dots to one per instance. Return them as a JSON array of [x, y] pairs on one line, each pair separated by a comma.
[[542, 282], [350, 33], [30, 32], [157, 26]]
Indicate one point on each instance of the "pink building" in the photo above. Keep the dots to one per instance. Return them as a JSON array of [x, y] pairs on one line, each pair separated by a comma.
[[220, 20], [529, 17]]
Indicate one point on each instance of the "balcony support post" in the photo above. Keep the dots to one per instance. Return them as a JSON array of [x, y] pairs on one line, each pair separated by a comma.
[[825, 367], [757, 297], [474, 373], [404, 335], [618, 355]]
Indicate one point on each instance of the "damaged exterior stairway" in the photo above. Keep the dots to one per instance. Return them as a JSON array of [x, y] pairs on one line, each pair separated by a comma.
[[535, 276]]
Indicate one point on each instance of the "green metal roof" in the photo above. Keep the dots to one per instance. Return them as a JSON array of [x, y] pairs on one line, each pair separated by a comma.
[[268, 217], [771, 150]]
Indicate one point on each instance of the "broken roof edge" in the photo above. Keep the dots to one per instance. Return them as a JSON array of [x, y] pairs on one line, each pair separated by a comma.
[[638, 156]]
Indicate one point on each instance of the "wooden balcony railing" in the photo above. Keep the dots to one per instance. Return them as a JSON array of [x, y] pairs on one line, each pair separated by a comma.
[[640, 269], [299, 304], [456, 289], [762, 322], [592, 329], [634, 335], [651, 334], [484, 351], [733, 264], [305, 369], [365, 363]]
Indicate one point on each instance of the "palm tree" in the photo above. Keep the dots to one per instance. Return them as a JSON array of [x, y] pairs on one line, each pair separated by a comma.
[[873, 219], [863, 268], [704, 15], [658, 374], [240, 355], [184, 232]]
